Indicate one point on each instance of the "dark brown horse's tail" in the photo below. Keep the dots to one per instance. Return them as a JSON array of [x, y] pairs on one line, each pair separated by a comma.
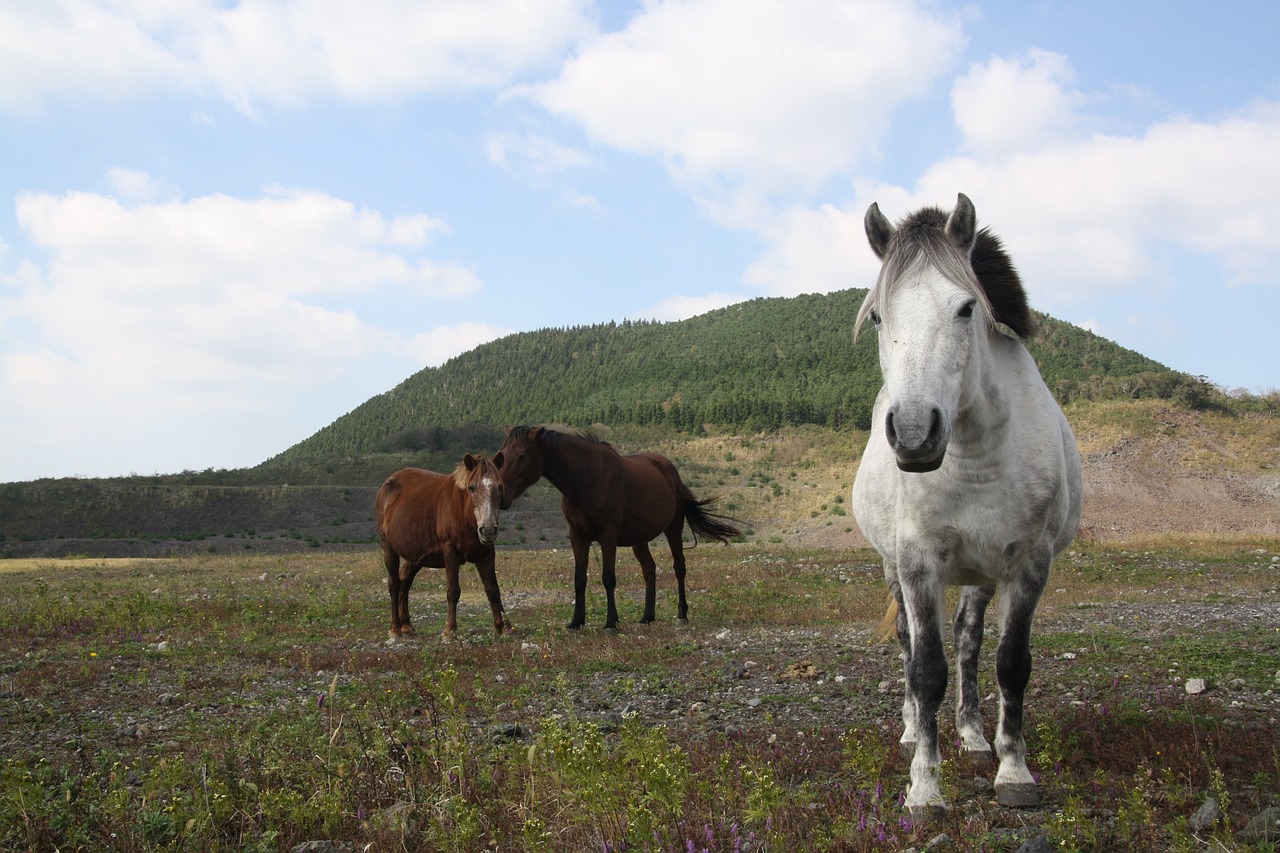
[[708, 524]]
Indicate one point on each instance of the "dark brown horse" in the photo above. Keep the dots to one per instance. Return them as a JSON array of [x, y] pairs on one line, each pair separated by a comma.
[[441, 521], [612, 499]]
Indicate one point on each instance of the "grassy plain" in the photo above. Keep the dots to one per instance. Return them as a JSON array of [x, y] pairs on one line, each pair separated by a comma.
[[251, 702]]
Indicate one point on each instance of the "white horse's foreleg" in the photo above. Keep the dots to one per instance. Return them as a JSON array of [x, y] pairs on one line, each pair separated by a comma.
[[967, 631], [1015, 786], [924, 599], [907, 743]]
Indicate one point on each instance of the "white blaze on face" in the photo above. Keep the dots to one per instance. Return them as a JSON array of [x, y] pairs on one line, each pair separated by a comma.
[[487, 495]]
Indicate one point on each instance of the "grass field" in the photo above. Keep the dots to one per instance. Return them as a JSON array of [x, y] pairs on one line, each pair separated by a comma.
[[249, 702]]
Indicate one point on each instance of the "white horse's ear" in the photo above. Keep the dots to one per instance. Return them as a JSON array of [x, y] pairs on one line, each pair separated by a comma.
[[962, 224], [879, 230]]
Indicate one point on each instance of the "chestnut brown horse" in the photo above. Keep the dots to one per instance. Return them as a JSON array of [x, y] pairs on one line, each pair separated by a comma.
[[612, 499], [441, 521]]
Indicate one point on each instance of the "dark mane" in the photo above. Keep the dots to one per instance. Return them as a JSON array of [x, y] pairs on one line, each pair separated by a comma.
[[998, 277], [553, 437], [923, 233]]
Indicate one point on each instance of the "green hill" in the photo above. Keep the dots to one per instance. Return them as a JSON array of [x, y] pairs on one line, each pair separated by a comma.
[[757, 366]]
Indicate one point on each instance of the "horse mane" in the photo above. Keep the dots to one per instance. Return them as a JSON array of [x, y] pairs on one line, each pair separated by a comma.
[[553, 437], [988, 271], [461, 476]]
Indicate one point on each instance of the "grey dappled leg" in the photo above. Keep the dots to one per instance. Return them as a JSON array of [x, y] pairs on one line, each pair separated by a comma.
[[967, 631], [1015, 785], [924, 598]]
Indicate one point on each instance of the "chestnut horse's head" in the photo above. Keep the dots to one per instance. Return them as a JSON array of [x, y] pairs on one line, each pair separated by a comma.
[[481, 478], [523, 465]]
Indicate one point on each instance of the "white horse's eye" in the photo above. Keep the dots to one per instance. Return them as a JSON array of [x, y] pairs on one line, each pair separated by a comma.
[[875, 318], [966, 310]]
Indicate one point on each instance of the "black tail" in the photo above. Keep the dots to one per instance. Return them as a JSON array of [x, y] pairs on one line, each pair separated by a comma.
[[709, 524]]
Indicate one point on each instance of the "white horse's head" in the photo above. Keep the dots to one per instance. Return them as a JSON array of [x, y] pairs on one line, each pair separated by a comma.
[[932, 307]]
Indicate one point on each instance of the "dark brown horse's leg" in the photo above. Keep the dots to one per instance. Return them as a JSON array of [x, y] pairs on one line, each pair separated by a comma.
[[453, 591], [489, 577], [673, 534], [581, 554], [648, 568], [609, 561]]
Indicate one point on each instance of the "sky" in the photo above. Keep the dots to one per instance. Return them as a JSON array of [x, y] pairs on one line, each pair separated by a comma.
[[223, 224]]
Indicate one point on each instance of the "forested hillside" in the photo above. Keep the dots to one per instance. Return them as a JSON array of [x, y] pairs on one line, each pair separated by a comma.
[[756, 366]]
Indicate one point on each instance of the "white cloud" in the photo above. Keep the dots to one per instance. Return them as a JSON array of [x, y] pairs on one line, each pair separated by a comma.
[[144, 314], [442, 343], [256, 51], [1082, 217], [764, 94], [683, 307], [1006, 105], [813, 250]]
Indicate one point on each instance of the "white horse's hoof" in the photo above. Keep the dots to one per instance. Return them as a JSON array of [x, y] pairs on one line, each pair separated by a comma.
[[1018, 795], [978, 758], [934, 812]]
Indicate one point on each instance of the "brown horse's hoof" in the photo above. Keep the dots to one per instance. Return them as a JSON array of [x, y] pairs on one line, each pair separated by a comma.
[[1018, 795], [611, 630]]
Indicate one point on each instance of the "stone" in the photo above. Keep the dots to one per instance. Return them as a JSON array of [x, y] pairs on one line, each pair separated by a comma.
[[1265, 826], [1039, 844], [1208, 814], [1196, 686]]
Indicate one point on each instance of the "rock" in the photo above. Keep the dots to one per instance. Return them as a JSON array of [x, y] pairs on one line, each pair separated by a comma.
[[799, 671], [1208, 815], [1196, 686], [1264, 827], [324, 847], [506, 731], [1039, 844]]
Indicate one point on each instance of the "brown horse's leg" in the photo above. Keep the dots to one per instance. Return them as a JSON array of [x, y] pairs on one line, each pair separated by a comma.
[[676, 543], [453, 591], [649, 569], [488, 577], [581, 554], [609, 562], [407, 573], [391, 560]]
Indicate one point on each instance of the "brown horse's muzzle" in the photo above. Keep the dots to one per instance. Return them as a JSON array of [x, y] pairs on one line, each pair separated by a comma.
[[487, 534]]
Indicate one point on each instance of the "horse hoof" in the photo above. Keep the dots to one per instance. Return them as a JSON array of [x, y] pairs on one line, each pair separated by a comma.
[[1018, 795], [977, 758], [929, 812], [611, 629], [682, 620], [573, 626]]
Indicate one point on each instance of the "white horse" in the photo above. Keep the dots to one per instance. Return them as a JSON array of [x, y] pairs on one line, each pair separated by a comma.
[[971, 478]]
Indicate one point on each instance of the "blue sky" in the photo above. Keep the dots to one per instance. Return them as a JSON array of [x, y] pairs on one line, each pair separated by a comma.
[[223, 225]]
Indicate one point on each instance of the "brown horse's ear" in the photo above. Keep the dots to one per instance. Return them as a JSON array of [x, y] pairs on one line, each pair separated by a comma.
[[471, 462], [498, 459], [507, 430], [535, 432]]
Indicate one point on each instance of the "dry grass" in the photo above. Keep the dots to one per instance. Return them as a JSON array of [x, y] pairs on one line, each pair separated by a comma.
[[274, 713]]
